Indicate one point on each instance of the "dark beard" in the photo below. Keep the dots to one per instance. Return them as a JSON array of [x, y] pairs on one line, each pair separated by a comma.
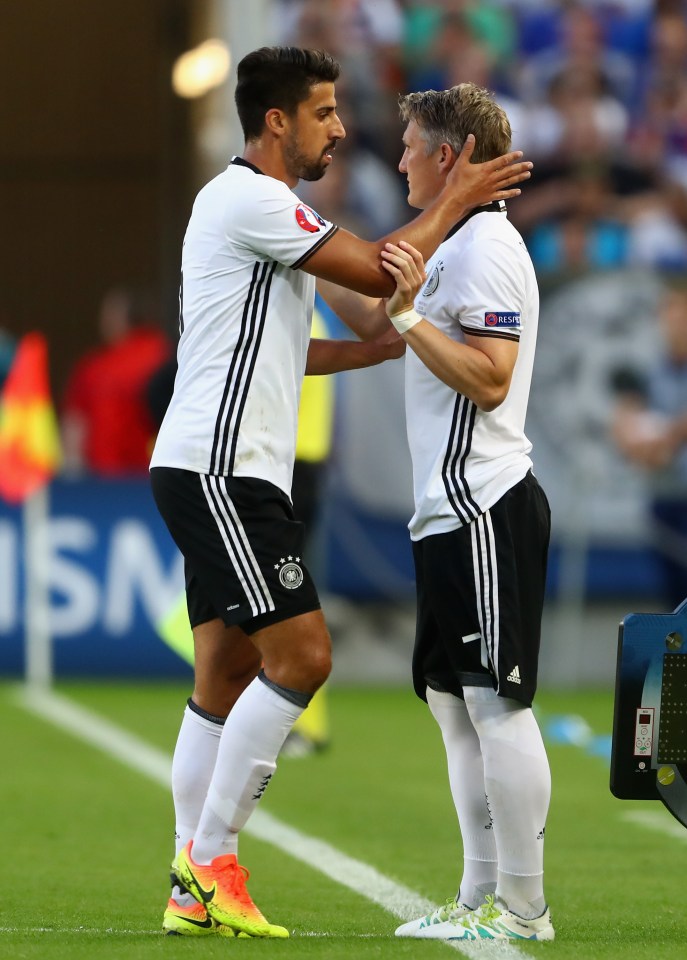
[[301, 166], [311, 172]]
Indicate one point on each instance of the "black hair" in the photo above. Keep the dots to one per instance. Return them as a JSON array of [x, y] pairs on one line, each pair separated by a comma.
[[278, 77]]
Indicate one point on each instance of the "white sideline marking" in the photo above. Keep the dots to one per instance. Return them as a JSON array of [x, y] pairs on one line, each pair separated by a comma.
[[156, 765], [660, 821], [112, 931]]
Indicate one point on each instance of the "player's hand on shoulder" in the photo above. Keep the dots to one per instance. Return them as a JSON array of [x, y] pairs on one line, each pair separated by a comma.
[[407, 267]]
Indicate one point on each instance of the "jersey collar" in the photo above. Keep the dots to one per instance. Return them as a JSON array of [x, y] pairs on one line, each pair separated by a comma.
[[245, 163], [496, 206]]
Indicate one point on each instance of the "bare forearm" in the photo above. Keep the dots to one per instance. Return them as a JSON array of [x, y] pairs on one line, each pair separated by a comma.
[[334, 356], [365, 316], [353, 263], [464, 368]]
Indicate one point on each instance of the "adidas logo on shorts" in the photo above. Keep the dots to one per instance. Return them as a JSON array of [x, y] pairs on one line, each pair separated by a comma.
[[514, 675]]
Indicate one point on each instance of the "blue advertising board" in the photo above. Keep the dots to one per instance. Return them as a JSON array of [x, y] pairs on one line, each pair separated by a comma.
[[113, 573]]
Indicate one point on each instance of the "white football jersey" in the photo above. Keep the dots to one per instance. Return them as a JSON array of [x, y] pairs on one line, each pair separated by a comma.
[[245, 315], [480, 281]]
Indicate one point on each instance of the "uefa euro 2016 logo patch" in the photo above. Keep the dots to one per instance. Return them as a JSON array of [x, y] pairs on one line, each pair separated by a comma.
[[307, 219], [502, 321]]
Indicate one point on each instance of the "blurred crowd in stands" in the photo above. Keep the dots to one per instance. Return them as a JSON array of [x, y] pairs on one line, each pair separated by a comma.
[[596, 91]]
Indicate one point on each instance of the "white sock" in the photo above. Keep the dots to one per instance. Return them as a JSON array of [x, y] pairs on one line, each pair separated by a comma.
[[518, 785], [250, 743], [192, 766], [466, 778]]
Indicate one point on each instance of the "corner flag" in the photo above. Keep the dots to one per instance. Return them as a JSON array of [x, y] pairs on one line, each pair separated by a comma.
[[29, 444]]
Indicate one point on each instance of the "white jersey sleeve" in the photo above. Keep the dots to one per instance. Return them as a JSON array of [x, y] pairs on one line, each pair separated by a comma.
[[492, 297], [270, 221]]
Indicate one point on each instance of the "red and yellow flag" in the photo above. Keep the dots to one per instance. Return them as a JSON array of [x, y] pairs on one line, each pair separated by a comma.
[[29, 440]]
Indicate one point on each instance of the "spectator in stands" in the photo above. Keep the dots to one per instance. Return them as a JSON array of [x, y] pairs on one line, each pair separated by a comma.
[[650, 429], [578, 128], [7, 349], [668, 44], [580, 46], [106, 425], [579, 117], [590, 195], [442, 40], [588, 235]]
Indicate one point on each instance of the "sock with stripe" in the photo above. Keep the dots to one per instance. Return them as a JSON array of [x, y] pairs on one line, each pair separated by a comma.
[[253, 735]]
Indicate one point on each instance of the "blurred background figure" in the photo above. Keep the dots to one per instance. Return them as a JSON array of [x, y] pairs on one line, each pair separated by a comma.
[[7, 348], [453, 41], [586, 233], [580, 43], [650, 429], [313, 445], [308, 492], [107, 428]]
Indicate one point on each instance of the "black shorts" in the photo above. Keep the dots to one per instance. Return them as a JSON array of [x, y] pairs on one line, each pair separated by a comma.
[[242, 548], [480, 596]]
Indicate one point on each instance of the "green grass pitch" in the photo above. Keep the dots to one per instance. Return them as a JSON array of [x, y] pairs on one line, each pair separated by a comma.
[[88, 840]]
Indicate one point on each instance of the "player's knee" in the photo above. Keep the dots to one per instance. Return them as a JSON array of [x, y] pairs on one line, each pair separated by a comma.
[[238, 679], [322, 666], [306, 671], [218, 695], [216, 702], [316, 666]]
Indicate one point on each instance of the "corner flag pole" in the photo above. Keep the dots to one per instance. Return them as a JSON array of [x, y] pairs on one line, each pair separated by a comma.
[[29, 458], [38, 668]]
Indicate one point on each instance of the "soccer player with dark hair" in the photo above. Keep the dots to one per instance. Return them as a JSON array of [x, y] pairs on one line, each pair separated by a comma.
[[222, 466]]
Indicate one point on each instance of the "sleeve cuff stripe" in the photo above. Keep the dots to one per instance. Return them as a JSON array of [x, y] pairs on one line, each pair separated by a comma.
[[315, 247], [496, 334]]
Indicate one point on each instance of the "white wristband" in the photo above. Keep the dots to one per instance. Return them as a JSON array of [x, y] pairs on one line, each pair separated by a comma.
[[406, 320]]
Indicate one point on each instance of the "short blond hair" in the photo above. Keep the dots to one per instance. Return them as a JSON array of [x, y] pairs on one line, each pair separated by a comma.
[[448, 116]]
